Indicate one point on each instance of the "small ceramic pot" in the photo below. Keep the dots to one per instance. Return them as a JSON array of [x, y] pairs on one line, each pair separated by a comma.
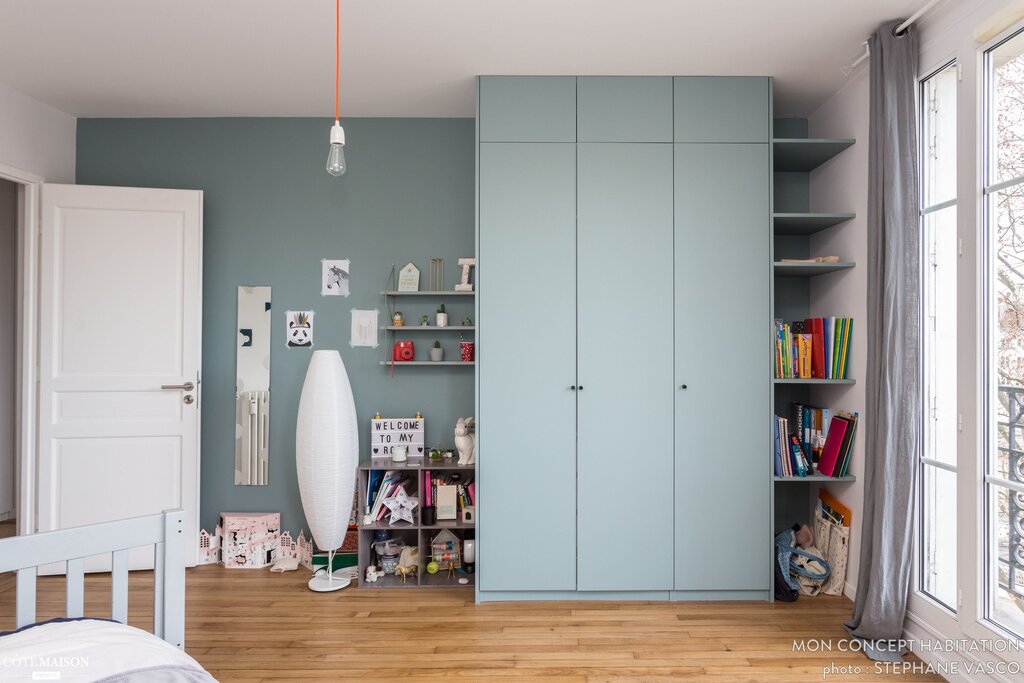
[[468, 351], [442, 320], [436, 355]]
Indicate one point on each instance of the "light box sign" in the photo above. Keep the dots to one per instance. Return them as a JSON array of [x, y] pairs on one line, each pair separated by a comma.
[[388, 432]]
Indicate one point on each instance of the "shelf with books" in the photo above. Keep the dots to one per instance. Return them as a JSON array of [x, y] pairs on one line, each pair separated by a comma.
[[811, 381], [378, 480], [805, 269], [805, 224], [416, 463]]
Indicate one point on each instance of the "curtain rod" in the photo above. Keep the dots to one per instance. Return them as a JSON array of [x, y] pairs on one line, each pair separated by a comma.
[[847, 70]]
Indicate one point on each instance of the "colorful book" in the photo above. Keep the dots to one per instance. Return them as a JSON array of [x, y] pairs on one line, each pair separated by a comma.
[[833, 446]]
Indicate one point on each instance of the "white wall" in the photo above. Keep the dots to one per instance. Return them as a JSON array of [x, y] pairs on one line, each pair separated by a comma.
[[35, 137], [8, 206], [841, 185]]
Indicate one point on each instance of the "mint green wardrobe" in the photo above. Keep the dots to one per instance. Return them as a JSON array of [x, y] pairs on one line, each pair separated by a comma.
[[604, 207]]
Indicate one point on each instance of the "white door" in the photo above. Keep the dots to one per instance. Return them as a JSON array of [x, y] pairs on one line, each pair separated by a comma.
[[119, 333]]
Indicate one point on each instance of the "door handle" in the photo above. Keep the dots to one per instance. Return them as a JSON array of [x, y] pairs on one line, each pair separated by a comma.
[[572, 387], [187, 386]]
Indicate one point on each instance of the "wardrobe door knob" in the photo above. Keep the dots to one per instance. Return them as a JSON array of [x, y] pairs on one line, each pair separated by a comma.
[[581, 387], [572, 388], [682, 386]]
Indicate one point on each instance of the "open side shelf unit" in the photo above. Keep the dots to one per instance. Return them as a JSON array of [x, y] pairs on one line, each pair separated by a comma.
[[416, 533], [795, 232]]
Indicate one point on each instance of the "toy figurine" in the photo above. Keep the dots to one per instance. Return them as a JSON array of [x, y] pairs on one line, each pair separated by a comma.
[[425, 321], [465, 440], [398, 320]]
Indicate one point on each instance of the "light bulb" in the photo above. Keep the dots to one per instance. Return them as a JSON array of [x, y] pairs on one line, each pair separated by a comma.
[[336, 165]]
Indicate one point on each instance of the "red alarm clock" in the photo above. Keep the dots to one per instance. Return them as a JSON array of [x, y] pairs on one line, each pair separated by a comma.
[[403, 351]]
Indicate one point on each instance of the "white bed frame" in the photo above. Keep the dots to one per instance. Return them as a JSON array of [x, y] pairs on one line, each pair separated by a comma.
[[164, 531]]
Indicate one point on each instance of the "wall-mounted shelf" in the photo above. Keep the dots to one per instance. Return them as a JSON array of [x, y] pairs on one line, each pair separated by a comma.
[[790, 269], [424, 363], [816, 478], [429, 328], [803, 224], [392, 292], [805, 154], [777, 380]]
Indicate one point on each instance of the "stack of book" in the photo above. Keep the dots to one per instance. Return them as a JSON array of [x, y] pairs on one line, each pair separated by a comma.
[[380, 486], [465, 488], [829, 449], [816, 348], [811, 426]]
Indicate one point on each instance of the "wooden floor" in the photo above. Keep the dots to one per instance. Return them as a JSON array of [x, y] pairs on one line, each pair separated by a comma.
[[251, 625]]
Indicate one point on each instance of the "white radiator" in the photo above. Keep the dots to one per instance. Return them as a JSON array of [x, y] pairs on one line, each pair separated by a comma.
[[252, 411]]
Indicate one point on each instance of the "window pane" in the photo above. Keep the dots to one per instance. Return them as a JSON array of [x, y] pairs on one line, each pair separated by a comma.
[[1007, 110], [1007, 606], [1006, 219], [939, 136], [938, 575], [940, 243]]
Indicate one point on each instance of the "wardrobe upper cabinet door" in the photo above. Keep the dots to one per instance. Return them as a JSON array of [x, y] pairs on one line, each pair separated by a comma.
[[624, 108], [527, 108], [722, 109], [624, 242], [722, 356], [527, 337]]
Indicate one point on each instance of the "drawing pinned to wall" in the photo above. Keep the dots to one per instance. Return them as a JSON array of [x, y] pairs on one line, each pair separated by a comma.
[[364, 328], [334, 277], [300, 328]]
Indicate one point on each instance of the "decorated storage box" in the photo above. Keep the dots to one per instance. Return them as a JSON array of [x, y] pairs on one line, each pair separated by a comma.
[[250, 539]]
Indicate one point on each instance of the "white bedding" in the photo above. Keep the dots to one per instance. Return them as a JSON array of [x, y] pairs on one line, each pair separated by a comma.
[[94, 650]]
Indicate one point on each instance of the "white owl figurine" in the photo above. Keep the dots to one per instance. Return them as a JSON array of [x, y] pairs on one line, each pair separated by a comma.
[[465, 440]]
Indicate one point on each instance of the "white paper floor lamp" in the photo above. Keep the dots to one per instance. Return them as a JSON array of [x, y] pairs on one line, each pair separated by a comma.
[[326, 455]]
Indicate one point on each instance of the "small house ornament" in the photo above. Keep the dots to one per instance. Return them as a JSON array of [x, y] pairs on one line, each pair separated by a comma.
[[409, 278]]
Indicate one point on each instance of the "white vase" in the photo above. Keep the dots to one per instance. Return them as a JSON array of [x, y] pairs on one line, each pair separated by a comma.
[[442, 320], [326, 455]]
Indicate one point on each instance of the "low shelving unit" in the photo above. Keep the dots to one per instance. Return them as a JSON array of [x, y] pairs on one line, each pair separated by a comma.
[[416, 533]]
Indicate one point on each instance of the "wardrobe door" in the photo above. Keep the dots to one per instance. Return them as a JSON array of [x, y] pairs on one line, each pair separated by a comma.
[[722, 333], [722, 108], [526, 366], [625, 394]]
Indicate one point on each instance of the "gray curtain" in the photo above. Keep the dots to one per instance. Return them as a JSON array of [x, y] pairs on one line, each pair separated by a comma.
[[893, 410]]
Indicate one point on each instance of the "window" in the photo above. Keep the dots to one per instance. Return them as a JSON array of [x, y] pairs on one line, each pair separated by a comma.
[[1004, 377], [937, 500]]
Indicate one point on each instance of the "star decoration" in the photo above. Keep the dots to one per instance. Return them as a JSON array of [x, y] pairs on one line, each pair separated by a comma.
[[401, 506]]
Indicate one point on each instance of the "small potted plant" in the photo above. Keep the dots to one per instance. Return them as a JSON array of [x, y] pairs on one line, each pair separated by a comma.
[[437, 353], [437, 453], [424, 321], [442, 316]]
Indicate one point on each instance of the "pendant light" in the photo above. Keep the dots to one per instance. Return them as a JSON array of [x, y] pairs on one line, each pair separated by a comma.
[[336, 165]]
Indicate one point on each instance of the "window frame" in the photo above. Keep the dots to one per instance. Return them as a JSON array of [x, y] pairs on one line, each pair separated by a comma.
[[924, 460]]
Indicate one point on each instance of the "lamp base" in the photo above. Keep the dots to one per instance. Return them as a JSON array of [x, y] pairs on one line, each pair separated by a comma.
[[324, 583]]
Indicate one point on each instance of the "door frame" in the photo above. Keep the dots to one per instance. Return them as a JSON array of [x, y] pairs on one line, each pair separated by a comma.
[[26, 343]]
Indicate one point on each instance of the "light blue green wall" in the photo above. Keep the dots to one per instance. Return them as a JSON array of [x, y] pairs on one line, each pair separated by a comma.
[[271, 212]]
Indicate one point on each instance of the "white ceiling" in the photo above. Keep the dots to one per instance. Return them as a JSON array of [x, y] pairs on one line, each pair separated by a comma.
[[94, 58]]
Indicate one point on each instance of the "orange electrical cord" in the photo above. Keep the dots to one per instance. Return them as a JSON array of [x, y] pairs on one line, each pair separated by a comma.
[[337, 53]]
